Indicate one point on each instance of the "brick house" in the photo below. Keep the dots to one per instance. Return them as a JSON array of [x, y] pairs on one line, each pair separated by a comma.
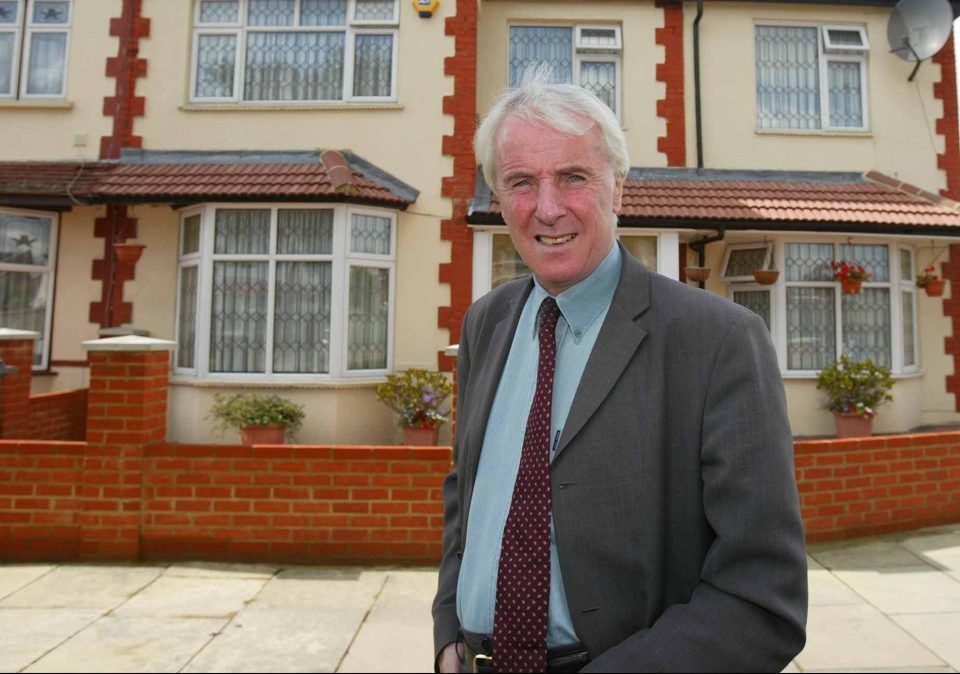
[[300, 176]]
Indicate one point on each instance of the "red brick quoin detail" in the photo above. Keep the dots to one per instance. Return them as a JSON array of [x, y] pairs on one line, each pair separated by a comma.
[[670, 72], [115, 227], [125, 67], [949, 163], [458, 273]]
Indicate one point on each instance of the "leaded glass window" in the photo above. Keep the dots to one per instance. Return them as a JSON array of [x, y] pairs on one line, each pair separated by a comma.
[[757, 301], [507, 263], [584, 55], [741, 260], [290, 291], [295, 50], [908, 303], [34, 46], [26, 275], [801, 85]]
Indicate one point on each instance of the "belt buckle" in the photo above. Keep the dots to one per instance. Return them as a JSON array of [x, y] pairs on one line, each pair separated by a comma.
[[480, 657]]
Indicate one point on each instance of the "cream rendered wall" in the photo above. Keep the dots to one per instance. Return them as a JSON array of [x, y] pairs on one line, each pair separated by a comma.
[[154, 290], [939, 407], [45, 131], [640, 57], [901, 141]]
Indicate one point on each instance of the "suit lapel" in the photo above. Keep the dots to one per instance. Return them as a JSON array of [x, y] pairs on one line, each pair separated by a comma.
[[618, 340], [488, 376]]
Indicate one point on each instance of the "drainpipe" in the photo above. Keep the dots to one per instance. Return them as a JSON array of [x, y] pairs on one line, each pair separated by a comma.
[[696, 87]]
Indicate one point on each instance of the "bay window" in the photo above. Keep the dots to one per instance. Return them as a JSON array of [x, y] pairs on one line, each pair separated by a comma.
[[286, 291], [34, 40], [294, 50], [27, 253]]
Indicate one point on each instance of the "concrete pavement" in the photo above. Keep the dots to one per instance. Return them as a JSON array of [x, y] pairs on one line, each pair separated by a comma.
[[882, 604]]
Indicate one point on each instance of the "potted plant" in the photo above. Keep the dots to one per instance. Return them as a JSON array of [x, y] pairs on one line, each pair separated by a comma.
[[261, 420], [128, 253], [418, 396], [854, 389], [766, 277], [697, 274], [930, 282], [851, 275]]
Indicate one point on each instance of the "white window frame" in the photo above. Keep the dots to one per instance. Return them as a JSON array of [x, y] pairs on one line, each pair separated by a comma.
[[23, 30], [907, 285], [732, 248], [584, 54], [753, 286], [828, 46], [240, 30], [341, 260], [50, 272], [825, 56]]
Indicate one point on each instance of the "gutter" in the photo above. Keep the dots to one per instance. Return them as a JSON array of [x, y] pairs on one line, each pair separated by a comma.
[[696, 83]]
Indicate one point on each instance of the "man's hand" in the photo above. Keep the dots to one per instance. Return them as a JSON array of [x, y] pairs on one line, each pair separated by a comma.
[[450, 658]]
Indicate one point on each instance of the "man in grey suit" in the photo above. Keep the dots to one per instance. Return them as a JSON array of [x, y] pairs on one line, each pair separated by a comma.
[[675, 541]]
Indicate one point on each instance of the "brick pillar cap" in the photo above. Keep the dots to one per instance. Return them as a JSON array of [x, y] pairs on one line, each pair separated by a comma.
[[129, 343], [7, 334], [452, 350]]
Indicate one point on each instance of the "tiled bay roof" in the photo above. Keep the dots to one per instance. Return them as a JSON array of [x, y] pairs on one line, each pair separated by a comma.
[[195, 176], [768, 200]]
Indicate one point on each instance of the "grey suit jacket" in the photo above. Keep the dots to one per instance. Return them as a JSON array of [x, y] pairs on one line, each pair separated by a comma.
[[675, 506]]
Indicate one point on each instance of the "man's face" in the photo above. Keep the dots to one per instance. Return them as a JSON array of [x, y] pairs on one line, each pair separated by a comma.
[[559, 197]]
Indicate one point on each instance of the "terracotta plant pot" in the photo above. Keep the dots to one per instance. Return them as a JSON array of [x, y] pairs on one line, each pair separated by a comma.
[[697, 274], [420, 437], [934, 288], [766, 277], [853, 426], [128, 253], [263, 435], [851, 286]]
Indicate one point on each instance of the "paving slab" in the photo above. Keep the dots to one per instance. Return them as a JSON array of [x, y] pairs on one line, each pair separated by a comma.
[[868, 555], [176, 597], [14, 577], [941, 550], [26, 634], [323, 588], [114, 644], [860, 637], [398, 633], [880, 670], [221, 570], [281, 639], [940, 632], [918, 589], [81, 586], [828, 590]]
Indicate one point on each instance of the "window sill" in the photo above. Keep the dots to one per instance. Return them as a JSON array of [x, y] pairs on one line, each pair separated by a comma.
[[286, 107], [36, 105], [813, 132], [191, 382], [812, 376]]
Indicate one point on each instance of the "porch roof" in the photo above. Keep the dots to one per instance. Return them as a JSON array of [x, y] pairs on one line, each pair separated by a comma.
[[190, 177], [767, 200]]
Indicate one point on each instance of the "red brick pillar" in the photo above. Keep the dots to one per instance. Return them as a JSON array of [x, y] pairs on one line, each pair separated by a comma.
[[16, 349], [126, 412]]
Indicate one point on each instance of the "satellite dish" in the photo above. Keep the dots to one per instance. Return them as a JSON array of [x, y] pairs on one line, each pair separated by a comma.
[[918, 29]]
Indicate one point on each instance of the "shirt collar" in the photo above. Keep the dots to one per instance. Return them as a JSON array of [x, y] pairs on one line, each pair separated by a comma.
[[580, 305]]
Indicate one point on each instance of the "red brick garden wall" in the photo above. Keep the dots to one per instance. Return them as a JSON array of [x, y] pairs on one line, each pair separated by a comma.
[[877, 485], [297, 503], [59, 416]]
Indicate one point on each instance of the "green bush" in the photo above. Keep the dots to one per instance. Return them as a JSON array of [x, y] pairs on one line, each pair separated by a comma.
[[242, 411], [418, 396], [855, 386]]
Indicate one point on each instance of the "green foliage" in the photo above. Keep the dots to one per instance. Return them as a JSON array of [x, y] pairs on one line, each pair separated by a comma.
[[242, 411], [855, 386], [418, 396], [928, 276]]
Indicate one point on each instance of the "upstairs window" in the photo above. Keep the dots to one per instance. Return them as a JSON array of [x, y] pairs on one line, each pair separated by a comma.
[[295, 50], [34, 41], [588, 55], [811, 78]]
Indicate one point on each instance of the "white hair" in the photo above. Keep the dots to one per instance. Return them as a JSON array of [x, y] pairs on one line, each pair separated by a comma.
[[566, 108]]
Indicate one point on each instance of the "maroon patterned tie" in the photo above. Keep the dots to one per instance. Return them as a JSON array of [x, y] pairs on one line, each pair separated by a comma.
[[523, 578]]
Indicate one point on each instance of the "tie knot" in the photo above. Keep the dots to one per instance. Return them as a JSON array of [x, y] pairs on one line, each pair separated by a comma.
[[549, 314]]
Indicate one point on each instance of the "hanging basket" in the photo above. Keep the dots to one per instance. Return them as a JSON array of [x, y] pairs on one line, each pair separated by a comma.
[[697, 274], [934, 288], [128, 253], [766, 277], [851, 286]]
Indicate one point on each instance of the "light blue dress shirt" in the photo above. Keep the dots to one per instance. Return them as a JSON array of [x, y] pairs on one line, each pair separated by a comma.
[[583, 308]]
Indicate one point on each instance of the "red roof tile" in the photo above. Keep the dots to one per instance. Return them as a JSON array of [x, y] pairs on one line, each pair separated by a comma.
[[49, 178], [876, 200]]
